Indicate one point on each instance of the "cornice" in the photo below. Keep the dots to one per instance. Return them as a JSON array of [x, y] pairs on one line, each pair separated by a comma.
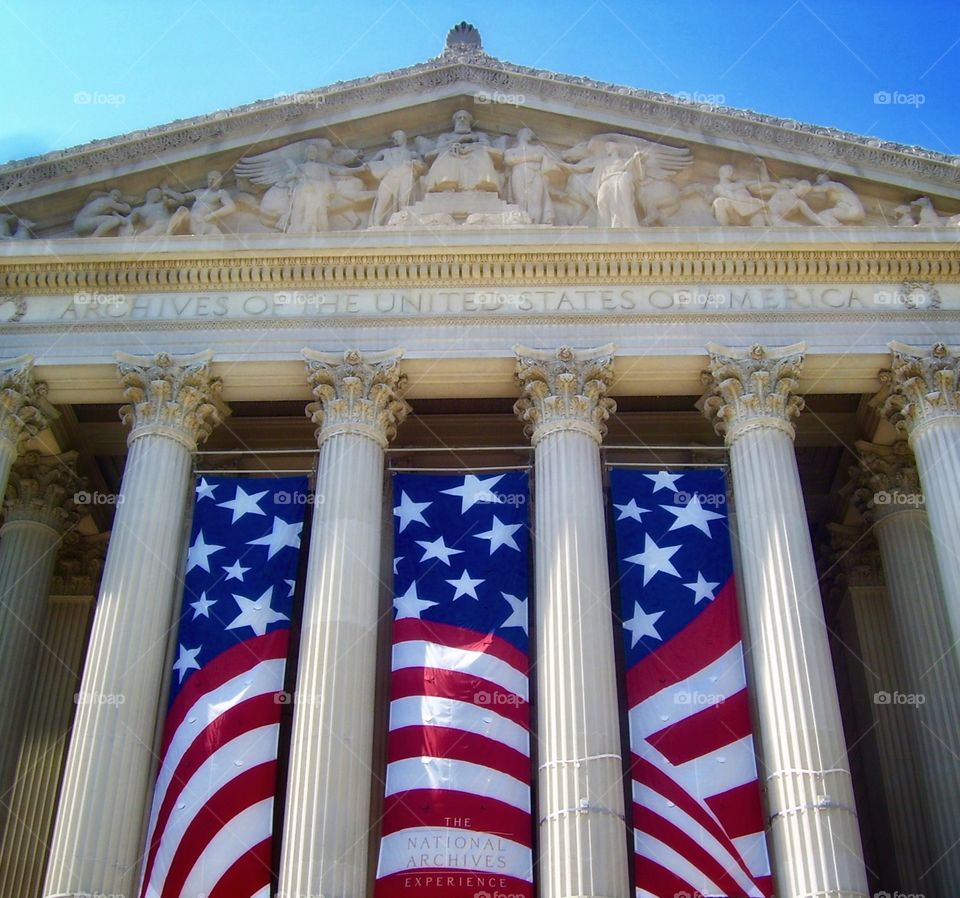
[[459, 267], [650, 109]]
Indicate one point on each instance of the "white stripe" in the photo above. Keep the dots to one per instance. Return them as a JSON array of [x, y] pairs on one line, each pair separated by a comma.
[[427, 710], [417, 653], [647, 846], [708, 686], [247, 750], [267, 676], [712, 773], [250, 827], [263, 893], [649, 798], [460, 776], [453, 849], [753, 850]]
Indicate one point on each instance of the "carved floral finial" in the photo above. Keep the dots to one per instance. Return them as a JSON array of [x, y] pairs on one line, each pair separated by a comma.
[[464, 37], [356, 393]]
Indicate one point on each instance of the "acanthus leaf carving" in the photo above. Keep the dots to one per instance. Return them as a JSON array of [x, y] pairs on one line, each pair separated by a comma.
[[24, 409], [921, 386], [42, 490], [886, 480]]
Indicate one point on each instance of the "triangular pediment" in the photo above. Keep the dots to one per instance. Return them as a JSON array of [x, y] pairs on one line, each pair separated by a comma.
[[262, 149]]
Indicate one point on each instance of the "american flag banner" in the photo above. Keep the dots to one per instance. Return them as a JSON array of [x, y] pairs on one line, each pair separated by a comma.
[[456, 820], [697, 814], [211, 824]]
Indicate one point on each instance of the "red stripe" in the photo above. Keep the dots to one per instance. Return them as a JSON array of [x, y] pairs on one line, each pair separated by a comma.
[[451, 684], [248, 875], [227, 665], [440, 883], [256, 712], [660, 881], [765, 884], [739, 810], [243, 791], [445, 742], [645, 773], [708, 730], [440, 809], [647, 821], [409, 629], [707, 637]]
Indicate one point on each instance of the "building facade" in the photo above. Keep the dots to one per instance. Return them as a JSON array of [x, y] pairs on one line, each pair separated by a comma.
[[458, 265]]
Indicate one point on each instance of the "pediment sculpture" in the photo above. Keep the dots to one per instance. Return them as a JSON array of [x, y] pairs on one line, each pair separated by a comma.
[[467, 177]]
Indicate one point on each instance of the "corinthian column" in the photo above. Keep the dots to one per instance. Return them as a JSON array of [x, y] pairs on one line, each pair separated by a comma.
[[38, 507], [98, 835], [325, 827], [24, 410], [889, 496], [751, 400], [923, 400], [583, 843]]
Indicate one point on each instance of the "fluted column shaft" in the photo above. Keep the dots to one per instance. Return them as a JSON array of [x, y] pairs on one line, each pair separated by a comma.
[[325, 830], [98, 835], [37, 511], [813, 827], [924, 401], [583, 844], [891, 498]]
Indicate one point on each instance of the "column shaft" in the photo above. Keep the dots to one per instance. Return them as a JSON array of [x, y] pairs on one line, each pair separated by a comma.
[[583, 849], [326, 829]]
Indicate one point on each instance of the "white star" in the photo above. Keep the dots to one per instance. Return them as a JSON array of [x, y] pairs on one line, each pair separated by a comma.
[[437, 549], [409, 511], [410, 604], [281, 536], [642, 624], [235, 572], [465, 586], [655, 559], [702, 589], [244, 503], [256, 613], [205, 490], [663, 480], [630, 510], [518, 612], [186, 660], [397, 561], [291, 585], [200, 553], [500, 534], [474, 490], [693, 514], [201, 608]]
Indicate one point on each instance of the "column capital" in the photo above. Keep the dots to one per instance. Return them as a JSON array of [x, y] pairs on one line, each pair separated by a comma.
[[752, 388], [920, 386], [79, 566], [886, 481], [355, 392], [24, 409], [852, 556], [564, 390], [41, 491], [174, 397]]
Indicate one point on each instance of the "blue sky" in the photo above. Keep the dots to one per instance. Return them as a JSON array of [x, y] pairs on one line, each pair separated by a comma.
[[73, 72]]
